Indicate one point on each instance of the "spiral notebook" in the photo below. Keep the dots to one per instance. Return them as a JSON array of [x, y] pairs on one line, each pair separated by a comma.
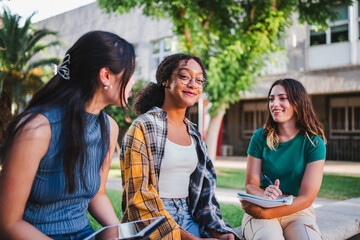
[[264, 202]]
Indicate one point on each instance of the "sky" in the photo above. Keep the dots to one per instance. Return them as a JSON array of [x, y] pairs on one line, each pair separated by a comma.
[[44, 8]]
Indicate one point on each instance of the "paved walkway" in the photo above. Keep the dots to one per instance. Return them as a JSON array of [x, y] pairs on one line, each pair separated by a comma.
[[341, 167], [331, 166]]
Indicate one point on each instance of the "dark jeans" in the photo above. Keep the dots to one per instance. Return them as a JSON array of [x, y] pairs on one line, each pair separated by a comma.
[[85, 232]]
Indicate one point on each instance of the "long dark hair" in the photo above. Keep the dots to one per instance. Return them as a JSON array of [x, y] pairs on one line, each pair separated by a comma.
[[154, 93], [93, 51], [306, 119]]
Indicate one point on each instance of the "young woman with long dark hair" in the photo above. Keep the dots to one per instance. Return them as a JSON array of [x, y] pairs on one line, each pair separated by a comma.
[[164, 164], [290, 152], [58, 152]]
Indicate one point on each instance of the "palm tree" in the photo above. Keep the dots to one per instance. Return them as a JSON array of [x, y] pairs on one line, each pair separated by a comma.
[[20, 76]]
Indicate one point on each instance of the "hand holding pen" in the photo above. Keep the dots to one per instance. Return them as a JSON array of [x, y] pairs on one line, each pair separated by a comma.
[[272, 191]]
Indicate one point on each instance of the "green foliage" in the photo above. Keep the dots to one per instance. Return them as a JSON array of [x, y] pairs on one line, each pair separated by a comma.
[[233, 38], [18, 45], [124, 120]]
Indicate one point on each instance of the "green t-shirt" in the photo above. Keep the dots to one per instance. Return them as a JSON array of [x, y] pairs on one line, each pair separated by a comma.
[[287, 163]]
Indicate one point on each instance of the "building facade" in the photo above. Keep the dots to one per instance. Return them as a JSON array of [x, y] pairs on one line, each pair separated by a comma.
[[327, 63]]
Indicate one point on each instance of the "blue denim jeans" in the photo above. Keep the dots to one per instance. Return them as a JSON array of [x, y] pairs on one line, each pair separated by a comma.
[[179, 211], [82, 234]]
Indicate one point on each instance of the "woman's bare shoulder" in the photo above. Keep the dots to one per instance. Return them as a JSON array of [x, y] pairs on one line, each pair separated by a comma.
[[38, 127]]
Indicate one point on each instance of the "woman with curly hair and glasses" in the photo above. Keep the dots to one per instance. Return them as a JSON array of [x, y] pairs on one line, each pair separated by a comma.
[[164, 165], [286, 157], [58, 151]]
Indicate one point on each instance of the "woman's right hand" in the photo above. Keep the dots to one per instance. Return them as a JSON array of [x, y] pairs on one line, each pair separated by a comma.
[[273, 191]]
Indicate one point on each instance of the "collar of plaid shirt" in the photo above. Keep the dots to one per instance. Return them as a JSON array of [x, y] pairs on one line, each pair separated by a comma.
[[203, 205]]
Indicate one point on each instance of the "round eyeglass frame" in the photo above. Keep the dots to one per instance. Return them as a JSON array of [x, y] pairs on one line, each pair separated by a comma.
[[187, 82]]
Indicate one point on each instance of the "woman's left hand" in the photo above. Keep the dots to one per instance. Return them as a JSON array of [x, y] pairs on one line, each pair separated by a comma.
[[253, 210]]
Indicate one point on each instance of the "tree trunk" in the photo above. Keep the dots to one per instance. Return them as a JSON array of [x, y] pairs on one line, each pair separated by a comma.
[[5, 113], [212, 133]]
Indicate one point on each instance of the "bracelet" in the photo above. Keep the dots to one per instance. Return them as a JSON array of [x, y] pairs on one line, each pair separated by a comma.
[[260, 214]]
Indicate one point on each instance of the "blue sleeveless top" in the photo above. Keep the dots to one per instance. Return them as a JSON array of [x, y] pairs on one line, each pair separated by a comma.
[[50, 208]]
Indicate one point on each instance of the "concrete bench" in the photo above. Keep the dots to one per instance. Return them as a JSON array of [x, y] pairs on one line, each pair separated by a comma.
[[340, 220], [337, 221]]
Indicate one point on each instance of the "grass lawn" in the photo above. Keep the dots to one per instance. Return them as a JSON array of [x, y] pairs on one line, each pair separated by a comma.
[[231, 213], [333, 186], [115, 169], [115, 198], [340, 187]]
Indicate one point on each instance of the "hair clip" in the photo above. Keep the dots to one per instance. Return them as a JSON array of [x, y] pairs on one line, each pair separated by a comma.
[[63, 69]]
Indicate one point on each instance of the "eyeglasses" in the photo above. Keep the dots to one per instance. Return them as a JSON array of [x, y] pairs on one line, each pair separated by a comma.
[[185, 78]]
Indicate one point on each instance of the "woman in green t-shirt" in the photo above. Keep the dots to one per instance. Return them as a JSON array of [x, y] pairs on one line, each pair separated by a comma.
[[289, 151]]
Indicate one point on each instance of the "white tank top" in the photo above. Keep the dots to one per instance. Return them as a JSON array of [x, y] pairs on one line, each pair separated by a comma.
[[178, 164]]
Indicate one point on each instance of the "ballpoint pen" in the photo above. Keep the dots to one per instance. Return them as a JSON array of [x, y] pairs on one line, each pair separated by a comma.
[[268, 179]]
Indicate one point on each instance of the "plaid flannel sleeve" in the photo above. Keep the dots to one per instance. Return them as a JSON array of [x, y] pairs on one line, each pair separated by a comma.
[[208, 210], [140, 197], [203, 204]]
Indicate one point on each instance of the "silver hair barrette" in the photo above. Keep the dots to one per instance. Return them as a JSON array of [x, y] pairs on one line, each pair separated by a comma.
[[63, 69]]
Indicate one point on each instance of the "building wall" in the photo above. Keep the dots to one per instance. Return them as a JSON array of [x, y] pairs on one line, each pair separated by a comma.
[[133, 26]]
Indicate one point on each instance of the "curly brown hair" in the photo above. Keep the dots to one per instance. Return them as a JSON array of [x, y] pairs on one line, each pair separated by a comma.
[[306, 119], [154, 93]]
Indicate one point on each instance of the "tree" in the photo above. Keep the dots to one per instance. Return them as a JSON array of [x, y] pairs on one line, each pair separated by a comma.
[[19, 76], [234, 38]]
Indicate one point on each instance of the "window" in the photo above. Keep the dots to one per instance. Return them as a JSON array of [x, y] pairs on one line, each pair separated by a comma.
[[160, 49], [356, 118], [253, 117], [338, 30], [345, 117], [340, 33], [249, 117], [338, 118], [317, 38]]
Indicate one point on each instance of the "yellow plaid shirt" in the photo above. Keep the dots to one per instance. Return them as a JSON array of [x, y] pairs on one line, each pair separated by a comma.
[[141, 155]]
